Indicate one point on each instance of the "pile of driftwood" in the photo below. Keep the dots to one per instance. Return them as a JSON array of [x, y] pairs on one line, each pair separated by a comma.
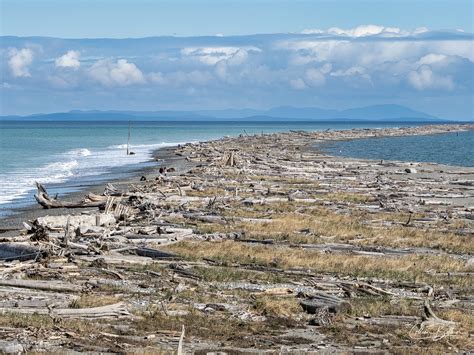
[[115, 243]]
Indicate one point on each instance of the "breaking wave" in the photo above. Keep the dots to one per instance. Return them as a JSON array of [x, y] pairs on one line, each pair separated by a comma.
[[74, 164]]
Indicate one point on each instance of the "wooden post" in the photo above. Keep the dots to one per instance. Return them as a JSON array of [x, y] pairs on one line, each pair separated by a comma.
[[128, 140]]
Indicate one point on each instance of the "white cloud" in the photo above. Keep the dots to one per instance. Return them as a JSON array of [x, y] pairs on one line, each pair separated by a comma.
[[420, 30], [370, 53], [367, 61], [431, 59], [349, 72], [213, 55], [19, 61], [120, 73], [69, 60], [365, 30], [425, 78], [313, 31]]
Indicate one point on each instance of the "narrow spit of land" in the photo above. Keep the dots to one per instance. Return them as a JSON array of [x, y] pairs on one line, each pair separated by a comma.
[[253, 244]]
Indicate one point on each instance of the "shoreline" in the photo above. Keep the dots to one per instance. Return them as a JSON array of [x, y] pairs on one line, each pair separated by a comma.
[[164, 156], [13, 222], [253, 244]]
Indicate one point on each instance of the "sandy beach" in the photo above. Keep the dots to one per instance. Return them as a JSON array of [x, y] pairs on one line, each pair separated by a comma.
[[257, 243]]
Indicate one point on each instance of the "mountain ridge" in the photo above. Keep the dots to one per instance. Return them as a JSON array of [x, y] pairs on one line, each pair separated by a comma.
[[383, 112]]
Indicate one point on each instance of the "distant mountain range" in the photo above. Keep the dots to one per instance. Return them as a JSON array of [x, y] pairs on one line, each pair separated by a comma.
[[282, 113]]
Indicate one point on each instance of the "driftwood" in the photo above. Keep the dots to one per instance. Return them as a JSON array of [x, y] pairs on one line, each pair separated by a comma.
[[17, 251], [155, 254], [229, 159], [321, 301], [60, 222], [56, 286], [43, 198], [122, 250], [206, 218], [181, 343], [113, 310], [432, 327], [11, 347]]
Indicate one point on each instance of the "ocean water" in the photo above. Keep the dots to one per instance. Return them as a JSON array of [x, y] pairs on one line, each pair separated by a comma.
[[66, 155], [449, 148]]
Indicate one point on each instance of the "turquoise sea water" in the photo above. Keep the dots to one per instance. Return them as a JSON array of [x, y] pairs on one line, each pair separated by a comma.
[[67, 155]]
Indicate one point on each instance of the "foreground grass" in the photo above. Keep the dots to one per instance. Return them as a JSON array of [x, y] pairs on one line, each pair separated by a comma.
[[406, 268], [289, 219]]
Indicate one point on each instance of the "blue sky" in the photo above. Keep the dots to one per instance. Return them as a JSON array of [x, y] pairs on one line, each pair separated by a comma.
[[142, 18], [329, 54]]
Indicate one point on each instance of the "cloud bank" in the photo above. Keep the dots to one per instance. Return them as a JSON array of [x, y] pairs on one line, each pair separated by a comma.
[[368, 64]]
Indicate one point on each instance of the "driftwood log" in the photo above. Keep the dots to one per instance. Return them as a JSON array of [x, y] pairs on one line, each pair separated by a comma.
[[46, 201], [322, 301], [113, 310], [55, 286]]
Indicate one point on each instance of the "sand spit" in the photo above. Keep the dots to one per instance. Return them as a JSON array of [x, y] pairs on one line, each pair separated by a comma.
[[251, 244]]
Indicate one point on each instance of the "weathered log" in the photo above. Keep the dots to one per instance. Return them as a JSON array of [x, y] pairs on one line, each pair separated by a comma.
[[47, 202], [11, 347], [56, 286], [20, 252], [53, 222], [109, 311], [155, 254], [323, 301], [206, 218], [181, 343]]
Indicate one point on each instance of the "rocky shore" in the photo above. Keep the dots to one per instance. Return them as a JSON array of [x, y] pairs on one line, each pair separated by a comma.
[[250, 244]]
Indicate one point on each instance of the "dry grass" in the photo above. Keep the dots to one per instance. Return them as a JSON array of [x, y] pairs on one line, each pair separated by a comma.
[[323, 224], [17, 320], [409, 268], [380, 306], [462, 338], [277, 307], [89, 301], [217, 327], [227, 274], [46, 322]]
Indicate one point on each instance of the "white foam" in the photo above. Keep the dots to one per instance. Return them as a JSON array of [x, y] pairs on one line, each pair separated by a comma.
[[83, 152], [76, 163]]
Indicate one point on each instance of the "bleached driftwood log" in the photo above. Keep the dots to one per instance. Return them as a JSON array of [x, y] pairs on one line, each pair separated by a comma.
[[43, 198], [54, 222], [113, 310], [57, 286]]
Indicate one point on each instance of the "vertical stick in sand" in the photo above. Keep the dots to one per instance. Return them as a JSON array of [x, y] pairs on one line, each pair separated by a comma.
[[128, 140]]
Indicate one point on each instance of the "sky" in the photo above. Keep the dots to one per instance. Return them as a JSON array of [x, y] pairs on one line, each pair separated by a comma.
[[329, 54], [143, 18]]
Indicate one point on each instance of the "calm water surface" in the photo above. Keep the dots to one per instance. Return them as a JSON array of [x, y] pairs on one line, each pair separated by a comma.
[[449, 148]]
